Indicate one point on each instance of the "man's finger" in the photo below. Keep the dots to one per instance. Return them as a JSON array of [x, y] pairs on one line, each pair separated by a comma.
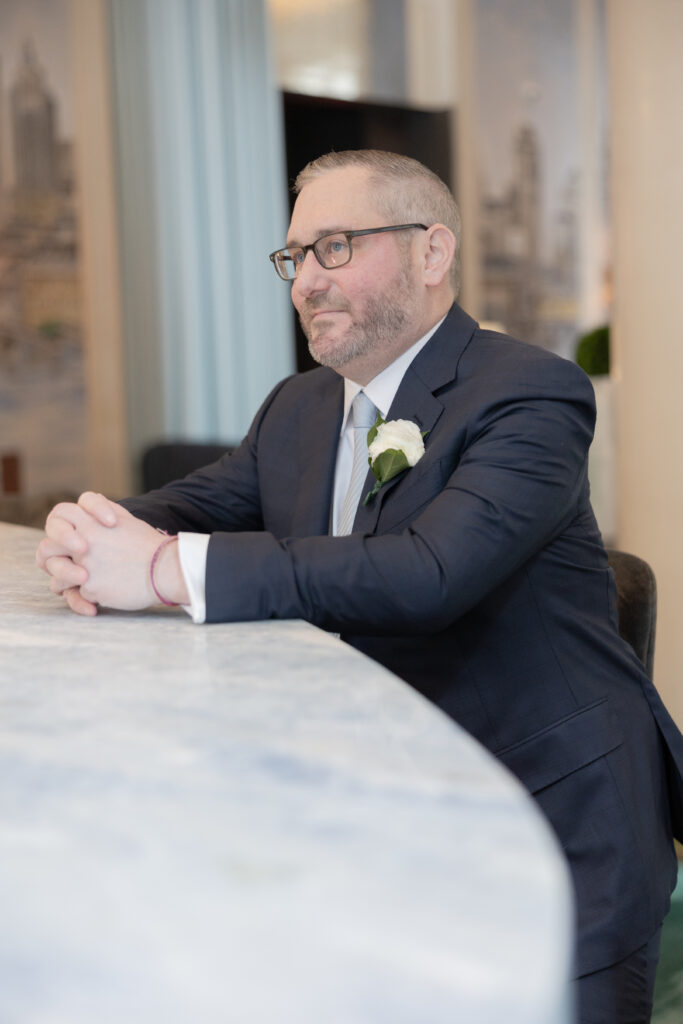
[[62, 526], [77, 603], [64, 574], [99, 507], [47, 549]]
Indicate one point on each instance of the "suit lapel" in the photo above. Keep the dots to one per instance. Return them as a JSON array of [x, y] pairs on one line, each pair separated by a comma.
[[318, 425], [433, 368]]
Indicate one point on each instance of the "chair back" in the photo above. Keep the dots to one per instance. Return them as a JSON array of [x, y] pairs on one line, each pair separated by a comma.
[[637, 604], [172, 460]]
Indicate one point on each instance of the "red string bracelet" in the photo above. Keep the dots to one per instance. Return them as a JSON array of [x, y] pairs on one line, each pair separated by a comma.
[[155, 556]]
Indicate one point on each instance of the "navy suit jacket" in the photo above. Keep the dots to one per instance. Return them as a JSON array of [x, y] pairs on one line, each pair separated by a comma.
[[479, 576]]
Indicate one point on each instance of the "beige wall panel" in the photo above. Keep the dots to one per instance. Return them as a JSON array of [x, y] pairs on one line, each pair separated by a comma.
[[646, 86], [109, 469]]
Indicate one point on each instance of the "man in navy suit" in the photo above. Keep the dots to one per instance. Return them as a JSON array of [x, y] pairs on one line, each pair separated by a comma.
[[476, 572]]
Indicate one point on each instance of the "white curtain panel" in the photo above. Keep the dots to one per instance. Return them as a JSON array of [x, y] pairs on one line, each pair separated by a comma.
[[202, 200]]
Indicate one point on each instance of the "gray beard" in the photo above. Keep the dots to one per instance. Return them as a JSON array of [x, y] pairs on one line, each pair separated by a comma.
[[377, 327], [385, 316]]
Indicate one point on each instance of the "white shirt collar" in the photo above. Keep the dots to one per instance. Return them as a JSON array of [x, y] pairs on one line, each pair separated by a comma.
[[382, 389]]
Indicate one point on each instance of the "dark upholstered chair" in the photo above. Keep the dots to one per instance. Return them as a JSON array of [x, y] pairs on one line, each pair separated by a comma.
[[637, 604], [171, 460]]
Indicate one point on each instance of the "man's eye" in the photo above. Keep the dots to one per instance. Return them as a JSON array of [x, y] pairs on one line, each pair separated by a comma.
[[334, 247], [298, 256]]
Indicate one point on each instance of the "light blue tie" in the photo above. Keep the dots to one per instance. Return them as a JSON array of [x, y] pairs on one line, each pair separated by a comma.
[[363, 415]]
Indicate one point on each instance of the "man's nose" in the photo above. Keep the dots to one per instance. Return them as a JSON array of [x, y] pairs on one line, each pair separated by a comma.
[[310, 276]]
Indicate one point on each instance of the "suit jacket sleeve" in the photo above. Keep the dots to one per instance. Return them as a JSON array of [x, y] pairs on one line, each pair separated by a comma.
[[503, 474], [222, 496]]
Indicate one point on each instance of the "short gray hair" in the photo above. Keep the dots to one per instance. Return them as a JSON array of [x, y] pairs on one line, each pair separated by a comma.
[[406, 190]]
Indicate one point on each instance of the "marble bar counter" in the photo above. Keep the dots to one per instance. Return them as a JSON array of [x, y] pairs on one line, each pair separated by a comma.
[[253, 823]]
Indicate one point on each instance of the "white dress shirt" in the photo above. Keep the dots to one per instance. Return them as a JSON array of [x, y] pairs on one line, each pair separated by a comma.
[[193, 547]]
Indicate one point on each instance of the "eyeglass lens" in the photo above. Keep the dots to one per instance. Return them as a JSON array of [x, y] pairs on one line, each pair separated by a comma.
[[330, 251]]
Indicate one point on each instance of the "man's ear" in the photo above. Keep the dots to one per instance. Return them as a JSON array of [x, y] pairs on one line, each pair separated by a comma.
[[438, 254]]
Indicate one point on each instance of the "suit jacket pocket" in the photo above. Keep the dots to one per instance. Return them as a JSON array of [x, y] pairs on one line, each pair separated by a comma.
[[564, 747]]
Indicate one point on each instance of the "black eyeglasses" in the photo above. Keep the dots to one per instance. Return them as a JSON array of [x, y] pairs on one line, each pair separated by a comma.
[[331, 251]]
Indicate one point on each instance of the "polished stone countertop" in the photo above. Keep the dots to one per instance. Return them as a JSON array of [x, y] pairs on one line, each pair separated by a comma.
[[252, 823]]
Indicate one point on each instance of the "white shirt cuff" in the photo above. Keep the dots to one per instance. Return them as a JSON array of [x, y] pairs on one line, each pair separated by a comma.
[[192, 551]]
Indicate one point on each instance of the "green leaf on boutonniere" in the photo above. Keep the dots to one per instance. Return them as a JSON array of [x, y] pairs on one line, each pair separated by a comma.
[[385, 467]]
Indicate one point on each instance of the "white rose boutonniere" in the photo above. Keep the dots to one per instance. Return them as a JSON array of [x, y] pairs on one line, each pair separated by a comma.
[[392, 447]]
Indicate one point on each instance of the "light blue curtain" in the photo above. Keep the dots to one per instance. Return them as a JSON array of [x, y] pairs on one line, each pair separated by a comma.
[[202, 199]]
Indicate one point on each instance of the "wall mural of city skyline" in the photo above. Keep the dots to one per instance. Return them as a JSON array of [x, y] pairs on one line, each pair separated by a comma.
[[532, 170], [42, 396]]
